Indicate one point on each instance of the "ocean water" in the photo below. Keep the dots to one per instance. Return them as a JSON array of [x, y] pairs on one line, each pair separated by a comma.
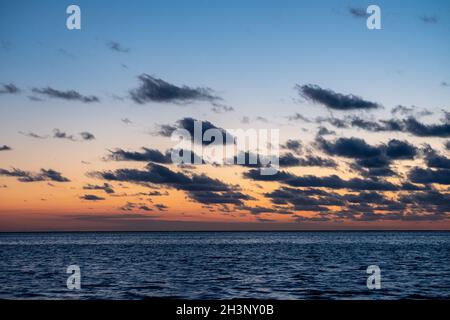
[[225, 265]]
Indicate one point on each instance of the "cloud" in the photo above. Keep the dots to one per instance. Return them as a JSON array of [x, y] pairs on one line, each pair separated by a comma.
[[422, 130], [348, 147], [403, 110], [147, 155], [293, 145], [432, 19], [409, 125], [161, 207], [334, 100], [5, 148], [32, 135], [298, 116], [220, 108], [323, 131], [115, 46], [126, 121], [87, 136], [435, 160], [189, 124], [200, 188], [289, 160], [157, 90], [439, 176], [26, 176], [447, 145], [332, 181], [130, 206], [228, 196], [397, 149], [9, 88], [106, 187], [91, 197], [58, 134], [357, 12], [152, 155], [69, 95]]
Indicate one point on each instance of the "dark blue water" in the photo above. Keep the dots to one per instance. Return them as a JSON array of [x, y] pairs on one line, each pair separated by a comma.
[[263, 265]]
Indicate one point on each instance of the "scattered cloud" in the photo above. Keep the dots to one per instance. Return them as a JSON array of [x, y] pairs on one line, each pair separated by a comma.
[[152, 89], [91, 197], [106, 187], [5, 148], [431, 19], [334, 100], [9, 88], [116, 46], [69, 95], [26, 176], [357, 12]]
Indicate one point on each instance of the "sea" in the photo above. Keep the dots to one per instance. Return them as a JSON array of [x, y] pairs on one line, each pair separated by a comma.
[[225, 265]]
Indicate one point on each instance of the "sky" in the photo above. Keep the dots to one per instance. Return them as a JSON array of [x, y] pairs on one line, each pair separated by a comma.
[[86, 115]]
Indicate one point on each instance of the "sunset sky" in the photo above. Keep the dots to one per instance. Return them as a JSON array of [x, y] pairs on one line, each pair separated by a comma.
[[85, 115]]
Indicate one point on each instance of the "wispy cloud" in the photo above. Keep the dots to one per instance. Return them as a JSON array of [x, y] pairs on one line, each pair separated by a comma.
[[69, 95]]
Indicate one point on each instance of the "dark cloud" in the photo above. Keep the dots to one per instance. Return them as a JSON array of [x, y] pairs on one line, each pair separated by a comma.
[[156, 90], [403, 110], [332, 181], [289, 160], [357, 12], [357, 148], [115, 46], [32, 135], [5, 148], [429, 19], [323, 131], [153, 155], [130, 206], [87, 136], [126, 121], [91, 197], [105, 187], [200, 188], [9, 88], [297, 116], [435, 160], [70, 95], [304, 200], [348, 147], [334, 100], [419, 175], [422, 130], [316, 161], [147, 155], [229, 197], [161, 207], [189, 124], [447, 145], [397, 149], [410, 125], [58, 134], [220, 108], [293, 145], [26, 176]]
